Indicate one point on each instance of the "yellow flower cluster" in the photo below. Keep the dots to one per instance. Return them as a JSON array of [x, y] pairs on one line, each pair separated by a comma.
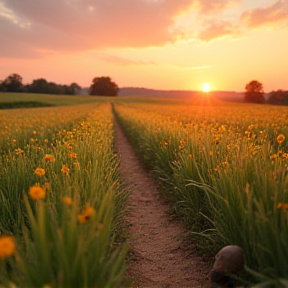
[[40, 171], [72, 155], [87, 213], [65, 169], [7, 246], [49, 158], [280, 138], [283, 206], [67, 200], [36, 192]]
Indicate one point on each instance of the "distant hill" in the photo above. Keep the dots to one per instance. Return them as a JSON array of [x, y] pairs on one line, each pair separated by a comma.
[[145, 92]]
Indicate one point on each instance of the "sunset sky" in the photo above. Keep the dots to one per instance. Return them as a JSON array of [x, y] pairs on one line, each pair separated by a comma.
[[160, 44]]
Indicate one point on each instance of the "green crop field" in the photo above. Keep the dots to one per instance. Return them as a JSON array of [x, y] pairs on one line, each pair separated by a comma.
[[223, 167], [55, 100]]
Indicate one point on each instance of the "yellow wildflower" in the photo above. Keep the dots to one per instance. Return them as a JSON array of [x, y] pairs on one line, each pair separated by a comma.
[[7, 246], [100, 226], [19, 151], [47, 186], [280, 138], [14, 141], [73, 155], [34, 132], [77, 165], [39, 171], [283, 206], [285, 155], [279, 205], [36, 192], [65, 169], [49, 158], [87, 213], [274, 156], [67, 200], [181, 144]]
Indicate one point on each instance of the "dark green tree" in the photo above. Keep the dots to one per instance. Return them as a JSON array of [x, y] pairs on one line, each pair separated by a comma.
[[13, 83], [254, 92], [1, 86], [279, 97], [73, 89], [103, 86], [38, 86]]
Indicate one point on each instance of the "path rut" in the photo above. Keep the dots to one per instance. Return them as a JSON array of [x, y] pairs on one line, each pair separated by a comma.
[[160, 255]]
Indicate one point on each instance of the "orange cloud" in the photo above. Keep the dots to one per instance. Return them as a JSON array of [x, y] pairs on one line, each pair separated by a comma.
[[121, 61], [215, 6], [74, 25], [31, 29], [217, 29], [270, 15]]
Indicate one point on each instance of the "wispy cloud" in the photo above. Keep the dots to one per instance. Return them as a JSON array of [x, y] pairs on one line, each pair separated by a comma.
[[7, 13], [30, 26], [196, 68], [121, 61], [274, 14], [217, 29]]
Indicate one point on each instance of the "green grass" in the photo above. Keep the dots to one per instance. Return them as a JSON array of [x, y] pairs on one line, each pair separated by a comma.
[[59, 244], [224, 170], [26, 104], [54, 100]]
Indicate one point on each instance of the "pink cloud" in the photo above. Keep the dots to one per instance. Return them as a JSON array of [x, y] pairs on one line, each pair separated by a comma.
[[122, 61], [215, 6], [216, 29], [69, 26], [78, 25], [269, 15]]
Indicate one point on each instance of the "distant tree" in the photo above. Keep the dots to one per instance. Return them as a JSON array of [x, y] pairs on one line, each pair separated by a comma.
[[13, 83], [279, 97], [1, 86], [54, 88], [74, 88], [254, 92], [103, 86], [38, 86]]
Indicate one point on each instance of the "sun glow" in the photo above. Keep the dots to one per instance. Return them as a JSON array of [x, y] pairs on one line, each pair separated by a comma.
[[206, 87]]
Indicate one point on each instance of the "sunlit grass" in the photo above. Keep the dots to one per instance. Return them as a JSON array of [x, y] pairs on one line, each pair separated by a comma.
[[56, 100], [61, 198], [224, 167]]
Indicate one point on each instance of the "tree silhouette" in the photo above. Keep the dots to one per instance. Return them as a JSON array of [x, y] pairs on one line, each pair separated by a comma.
[[74, 88], [254, 92], [41, 85], [103, 86], [13, 83], [279, 97], [38, 86]]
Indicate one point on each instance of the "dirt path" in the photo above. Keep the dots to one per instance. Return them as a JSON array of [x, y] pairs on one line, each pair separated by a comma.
[[161, 257]]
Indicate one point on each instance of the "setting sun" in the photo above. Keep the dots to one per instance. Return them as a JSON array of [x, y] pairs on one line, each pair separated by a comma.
[[206, 87]]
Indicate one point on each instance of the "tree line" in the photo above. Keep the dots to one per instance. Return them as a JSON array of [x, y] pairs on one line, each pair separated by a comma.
[[102, 86], [14, 83], [255, 94]]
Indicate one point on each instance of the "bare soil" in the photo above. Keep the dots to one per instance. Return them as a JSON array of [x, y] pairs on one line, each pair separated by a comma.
[[161, 255]]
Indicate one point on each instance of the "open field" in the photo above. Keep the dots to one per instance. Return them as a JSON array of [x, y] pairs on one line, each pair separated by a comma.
[[55, 100], [223, 168], [60, 198]]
